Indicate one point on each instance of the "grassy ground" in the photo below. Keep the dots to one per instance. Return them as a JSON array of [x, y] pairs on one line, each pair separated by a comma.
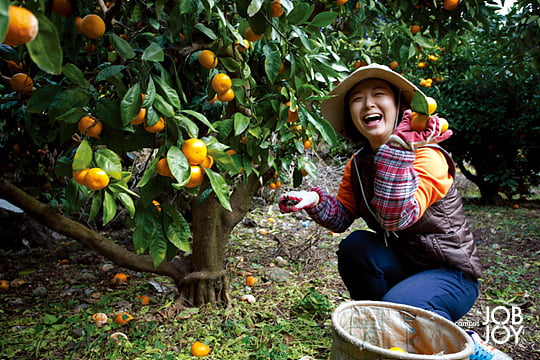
[[48, 313]]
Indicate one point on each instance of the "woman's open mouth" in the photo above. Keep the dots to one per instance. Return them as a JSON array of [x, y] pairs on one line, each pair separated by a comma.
[[372, 119]]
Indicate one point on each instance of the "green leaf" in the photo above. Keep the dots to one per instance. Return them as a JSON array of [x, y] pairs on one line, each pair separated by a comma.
[[75, 74], [83, 156], [110, 72], [72, 116], [323, 127], [153, 52], [126, 201], [254, 7], [300, 13], [109, 161], [162, 106], [4, 18], [169, 94], [158, 248], [109, 207], [205, 30], [131, 104], [201, 118], [230, 64], [272, 62], [419, 103], [76, 196], [45, 50], [97, 201], [178, 164], [323, 19], [142, 234], [49, 319], [241, 123], [121, 46], [220, 187], [176, 227]]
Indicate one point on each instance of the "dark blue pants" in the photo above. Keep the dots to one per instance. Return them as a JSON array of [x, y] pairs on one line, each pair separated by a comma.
[[371, 271]]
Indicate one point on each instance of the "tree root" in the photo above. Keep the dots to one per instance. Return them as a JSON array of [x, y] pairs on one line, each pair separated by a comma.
[[203, 287]]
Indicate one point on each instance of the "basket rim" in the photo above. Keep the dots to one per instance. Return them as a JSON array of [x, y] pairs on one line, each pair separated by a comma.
[[463, 354]]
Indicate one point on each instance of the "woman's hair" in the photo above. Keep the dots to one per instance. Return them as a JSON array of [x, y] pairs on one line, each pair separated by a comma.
[[351, 130]]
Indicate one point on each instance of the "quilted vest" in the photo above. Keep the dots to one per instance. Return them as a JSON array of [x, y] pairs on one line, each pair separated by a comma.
[[441, 238]]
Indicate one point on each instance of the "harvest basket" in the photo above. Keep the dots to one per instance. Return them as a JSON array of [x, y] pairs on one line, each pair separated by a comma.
[[366, 330]]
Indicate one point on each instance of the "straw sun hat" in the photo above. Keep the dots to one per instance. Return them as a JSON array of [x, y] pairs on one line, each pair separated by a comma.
[[333, 109]]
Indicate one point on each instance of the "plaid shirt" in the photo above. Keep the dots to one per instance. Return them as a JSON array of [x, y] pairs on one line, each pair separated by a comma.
[[395, 184]]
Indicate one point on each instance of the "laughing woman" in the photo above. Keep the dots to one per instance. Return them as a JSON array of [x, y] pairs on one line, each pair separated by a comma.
[[419, 250]]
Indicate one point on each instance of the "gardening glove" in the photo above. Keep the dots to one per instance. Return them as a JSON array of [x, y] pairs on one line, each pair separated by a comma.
[[297, 200], [410, 139]]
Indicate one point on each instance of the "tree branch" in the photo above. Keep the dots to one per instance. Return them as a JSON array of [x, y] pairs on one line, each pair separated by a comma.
[[176, 269]]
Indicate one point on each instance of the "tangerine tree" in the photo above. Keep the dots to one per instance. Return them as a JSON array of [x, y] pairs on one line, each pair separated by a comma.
[[113, 98]]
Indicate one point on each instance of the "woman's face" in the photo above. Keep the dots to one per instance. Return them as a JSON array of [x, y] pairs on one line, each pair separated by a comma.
[[373, 110]]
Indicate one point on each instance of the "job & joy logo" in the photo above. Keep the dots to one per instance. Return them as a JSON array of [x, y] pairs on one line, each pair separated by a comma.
[[502, 324]]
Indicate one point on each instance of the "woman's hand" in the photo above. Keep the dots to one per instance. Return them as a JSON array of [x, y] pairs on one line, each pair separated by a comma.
[[410, 139], [297, 200]]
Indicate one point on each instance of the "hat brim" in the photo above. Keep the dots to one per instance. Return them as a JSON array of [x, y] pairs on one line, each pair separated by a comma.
[[333, 108]]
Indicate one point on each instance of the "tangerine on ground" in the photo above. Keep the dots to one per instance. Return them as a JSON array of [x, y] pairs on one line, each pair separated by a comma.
[[145, 300], [419, 121], [22, 27], [123, 318], [96, 179], [157, 127], [199, 349], [251, 281], [415, 29], [208, 59], [62, 7], [227, 96], [221, 83], [79, 176], [162, 167], [90, 126], [21, 83], [4, 285], [276, 9], [450, 4], [195, 151], [251, 36], [120, 277], [99, 319], [196, 178], [93, 26]]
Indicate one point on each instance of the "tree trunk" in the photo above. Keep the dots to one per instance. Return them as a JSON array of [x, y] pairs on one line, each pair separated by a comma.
[[211, 227], [200, 280], [489, 192]]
